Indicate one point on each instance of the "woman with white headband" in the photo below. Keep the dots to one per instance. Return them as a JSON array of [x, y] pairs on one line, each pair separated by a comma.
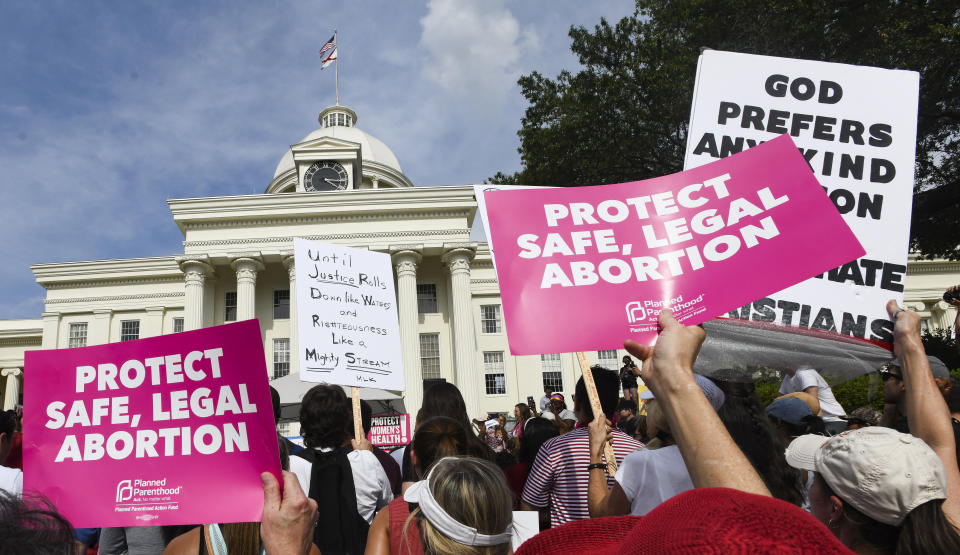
[[463, 506]]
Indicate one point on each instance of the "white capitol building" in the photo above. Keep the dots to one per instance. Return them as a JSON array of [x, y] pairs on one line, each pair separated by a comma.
[[340, 185]]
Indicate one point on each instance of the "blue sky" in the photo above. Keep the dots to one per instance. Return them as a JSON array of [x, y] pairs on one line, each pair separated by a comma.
[[107, 109]]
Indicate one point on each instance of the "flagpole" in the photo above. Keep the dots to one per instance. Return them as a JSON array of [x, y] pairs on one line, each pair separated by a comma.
[[337, 65]]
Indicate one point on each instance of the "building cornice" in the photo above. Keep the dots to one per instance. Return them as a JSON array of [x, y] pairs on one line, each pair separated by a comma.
[[935, 266], [287, 239], [114, 298], [107, 272], [338, 206]]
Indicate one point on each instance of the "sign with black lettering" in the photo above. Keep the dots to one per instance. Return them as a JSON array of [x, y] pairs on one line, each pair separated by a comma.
[[856, 127], [347, 316]]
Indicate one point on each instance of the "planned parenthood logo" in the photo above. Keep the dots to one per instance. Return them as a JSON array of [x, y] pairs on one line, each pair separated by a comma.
[[124, 491], [636, 312]]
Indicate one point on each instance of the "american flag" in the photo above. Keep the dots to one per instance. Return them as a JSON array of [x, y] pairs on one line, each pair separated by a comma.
[[329, 44]]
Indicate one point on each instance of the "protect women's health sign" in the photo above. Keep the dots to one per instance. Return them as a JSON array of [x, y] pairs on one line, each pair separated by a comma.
[[584, 268], [167, 430]]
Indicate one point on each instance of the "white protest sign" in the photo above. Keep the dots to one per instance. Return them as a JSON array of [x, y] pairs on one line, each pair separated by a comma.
[[347, 316], [856, 127], [478, 192]]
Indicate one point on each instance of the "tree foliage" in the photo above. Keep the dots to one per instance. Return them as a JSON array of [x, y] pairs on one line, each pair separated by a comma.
[[623, 117]]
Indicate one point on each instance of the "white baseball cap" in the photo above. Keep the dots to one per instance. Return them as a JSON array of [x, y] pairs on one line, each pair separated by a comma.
[[710, 390], [881, 472]]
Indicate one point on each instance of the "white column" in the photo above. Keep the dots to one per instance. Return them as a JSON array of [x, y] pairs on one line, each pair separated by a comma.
[[942, 315], [99, 331], [291, 266], [194, 275], [51, 328], [13, 387], [457, 261], [246, 268], [153, 323], [405, 263]]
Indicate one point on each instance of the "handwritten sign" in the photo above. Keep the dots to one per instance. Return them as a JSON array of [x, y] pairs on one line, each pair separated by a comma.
[[147, 432], [347, 317], [857, 128], [389, 429], [583, 268]]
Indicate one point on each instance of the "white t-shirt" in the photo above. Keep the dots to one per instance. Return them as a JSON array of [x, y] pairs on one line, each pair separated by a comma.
[[565, 414], [651, 476], [802, 379], [11, 480], [544, 401], [369, 480]]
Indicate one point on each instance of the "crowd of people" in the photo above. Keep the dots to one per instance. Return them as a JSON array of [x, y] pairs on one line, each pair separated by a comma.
[[698, 465]]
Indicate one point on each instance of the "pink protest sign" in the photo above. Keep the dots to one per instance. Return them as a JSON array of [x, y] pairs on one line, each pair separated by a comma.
[[584, 268], [389, 429], [167, 430]]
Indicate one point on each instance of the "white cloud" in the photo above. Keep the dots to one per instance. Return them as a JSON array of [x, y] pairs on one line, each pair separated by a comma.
[[472, 49]]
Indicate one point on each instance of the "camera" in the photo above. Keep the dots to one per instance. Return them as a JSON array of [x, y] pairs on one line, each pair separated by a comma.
[[952, 296]]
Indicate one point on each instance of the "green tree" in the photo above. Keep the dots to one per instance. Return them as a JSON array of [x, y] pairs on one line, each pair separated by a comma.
[[624, 116]]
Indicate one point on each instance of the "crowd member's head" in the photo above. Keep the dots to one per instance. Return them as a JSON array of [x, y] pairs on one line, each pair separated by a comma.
[[608, 390], [657, 428], [547, 391], [536, 432], [743, 416], [8, 424], [463, 506], [366, 416], [791, 417], [325, 417], [558, 402], [627, 361], [953, 399], [33, 527], [862, 417], [894, 390], [876, 488], [811, 400], [444, 399], [627, 409], [440, 437], [275, 399], [521, 412]]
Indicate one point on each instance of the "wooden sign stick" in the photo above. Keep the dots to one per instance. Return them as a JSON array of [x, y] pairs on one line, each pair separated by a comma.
[[597, 410], [357, 417]]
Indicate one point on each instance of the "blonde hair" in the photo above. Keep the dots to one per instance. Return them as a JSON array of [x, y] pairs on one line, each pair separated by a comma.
[[473, 492]]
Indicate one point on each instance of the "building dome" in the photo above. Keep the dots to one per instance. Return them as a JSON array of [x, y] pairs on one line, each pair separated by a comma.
[[338, 122]]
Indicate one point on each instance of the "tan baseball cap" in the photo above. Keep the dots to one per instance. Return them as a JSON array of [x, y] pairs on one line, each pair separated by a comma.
[[881, 472]]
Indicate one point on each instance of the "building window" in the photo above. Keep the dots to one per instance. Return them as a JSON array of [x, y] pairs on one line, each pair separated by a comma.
[[493, 377], [552, 372], [281, 304], [493, 373], [177, 325], [129, 329], [230, 306], [78, 335], [427, 298], [430, 355], [490, 318], [281, 357], [607, 357]]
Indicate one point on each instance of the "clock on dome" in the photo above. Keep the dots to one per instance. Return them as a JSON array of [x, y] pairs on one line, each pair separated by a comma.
[[326, 175]]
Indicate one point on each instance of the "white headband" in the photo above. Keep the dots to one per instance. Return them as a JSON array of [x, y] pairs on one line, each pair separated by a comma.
[[420, 493]]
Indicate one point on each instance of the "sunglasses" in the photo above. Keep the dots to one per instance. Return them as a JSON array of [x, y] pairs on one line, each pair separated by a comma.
[[886, 375]]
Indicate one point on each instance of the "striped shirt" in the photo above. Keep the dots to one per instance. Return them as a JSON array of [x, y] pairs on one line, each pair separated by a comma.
[[559, 477]]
